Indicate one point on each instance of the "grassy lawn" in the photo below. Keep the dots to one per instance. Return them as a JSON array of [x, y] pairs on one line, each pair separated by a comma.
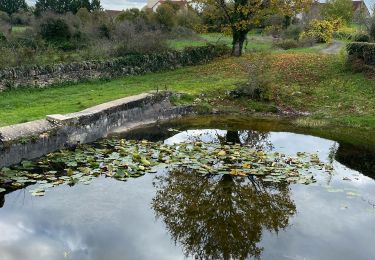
[[255, 42], [24, 105], [302, 80], [321, 85], [19, 29]]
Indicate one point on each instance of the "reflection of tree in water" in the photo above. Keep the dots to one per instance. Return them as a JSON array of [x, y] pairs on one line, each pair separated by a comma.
[[257, 140], [220, 217], [2, 200]]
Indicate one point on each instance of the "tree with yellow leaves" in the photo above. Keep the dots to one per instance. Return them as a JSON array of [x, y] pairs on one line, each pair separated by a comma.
[[241, 16]]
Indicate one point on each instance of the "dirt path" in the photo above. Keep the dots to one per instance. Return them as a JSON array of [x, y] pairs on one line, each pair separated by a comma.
[[333, 48]]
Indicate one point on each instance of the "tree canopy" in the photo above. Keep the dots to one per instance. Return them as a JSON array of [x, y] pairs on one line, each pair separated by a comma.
[[339, 9], [241, 16], [12, 6], [64, 6]]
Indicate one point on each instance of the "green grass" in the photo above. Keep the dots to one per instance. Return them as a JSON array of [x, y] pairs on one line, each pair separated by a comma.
[[255, 42], [19, 29], [22, 105], [303, 80], [323, 86]]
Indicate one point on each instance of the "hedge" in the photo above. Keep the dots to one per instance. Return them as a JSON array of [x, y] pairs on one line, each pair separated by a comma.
[[42, 76], [362, 50]]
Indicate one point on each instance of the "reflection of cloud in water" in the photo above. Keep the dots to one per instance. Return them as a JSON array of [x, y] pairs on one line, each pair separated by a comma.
[[324, 229], [113, 220], [207, 136], [78, 220]]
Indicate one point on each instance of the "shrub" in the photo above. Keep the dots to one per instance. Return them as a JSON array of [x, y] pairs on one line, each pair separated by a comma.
[[322, 30], [273, 30], [362, 50], [22, 18], [260, 79], [54, 28], [131, 15], [344, 33], [307, 42], [5, 30], [84, 15], [188, 18], [166, 15], [286, 44], [179, 32], [137, 37], [64, 31], [361, 37], [371, 29], [4, 17], [292, 32]]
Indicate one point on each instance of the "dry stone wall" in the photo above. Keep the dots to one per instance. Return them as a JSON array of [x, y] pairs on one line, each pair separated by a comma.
[[43, 76]]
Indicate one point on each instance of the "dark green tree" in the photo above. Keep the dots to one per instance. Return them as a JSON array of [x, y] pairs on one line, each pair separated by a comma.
[[64, 6], [12, 6], [95, 5]]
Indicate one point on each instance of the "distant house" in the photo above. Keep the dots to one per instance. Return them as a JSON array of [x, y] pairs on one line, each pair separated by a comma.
[[359, 7], [154, 4]]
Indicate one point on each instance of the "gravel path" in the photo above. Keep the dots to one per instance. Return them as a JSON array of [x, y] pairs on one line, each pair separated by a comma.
[[333, 48]]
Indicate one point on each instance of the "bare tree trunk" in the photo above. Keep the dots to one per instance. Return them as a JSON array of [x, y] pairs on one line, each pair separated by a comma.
[[239, 38]]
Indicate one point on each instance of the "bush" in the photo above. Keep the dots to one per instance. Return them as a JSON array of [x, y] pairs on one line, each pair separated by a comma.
[[166, 16], [179, 32], [292, 32], [22, 18], [286, 44], [188, 19], [54, 28], [361, 37], [273, 30], [63, 31], [371, 29], [137, 37], [260, 80], [321, 30], [4, 17], [5, 30], [363, 51], [307, 42], [345, 33]]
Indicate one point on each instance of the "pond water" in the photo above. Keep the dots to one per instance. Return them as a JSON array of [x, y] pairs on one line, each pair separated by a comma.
[[178, 214]]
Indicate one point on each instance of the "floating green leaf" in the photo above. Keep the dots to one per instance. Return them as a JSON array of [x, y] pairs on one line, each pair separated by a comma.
[[121, 159]]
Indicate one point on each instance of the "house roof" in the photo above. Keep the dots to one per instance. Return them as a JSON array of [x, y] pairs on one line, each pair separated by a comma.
[[359, 4]]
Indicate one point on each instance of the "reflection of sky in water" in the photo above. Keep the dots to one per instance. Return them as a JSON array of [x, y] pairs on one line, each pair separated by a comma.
[[113, 220]]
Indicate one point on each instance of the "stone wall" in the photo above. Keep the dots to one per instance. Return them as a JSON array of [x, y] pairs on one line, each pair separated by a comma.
[[42, 76], [34, 139]]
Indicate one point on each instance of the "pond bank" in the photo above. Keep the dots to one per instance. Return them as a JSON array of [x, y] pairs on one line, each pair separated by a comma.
[[34, 139]]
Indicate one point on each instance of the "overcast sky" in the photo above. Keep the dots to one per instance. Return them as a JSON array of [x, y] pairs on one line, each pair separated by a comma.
[[124, 4]]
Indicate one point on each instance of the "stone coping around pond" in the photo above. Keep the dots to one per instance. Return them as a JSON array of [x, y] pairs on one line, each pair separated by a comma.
[[34, 139], [105, 108]]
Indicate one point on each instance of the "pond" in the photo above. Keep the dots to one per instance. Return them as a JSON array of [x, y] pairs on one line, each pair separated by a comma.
[[300, 196]]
